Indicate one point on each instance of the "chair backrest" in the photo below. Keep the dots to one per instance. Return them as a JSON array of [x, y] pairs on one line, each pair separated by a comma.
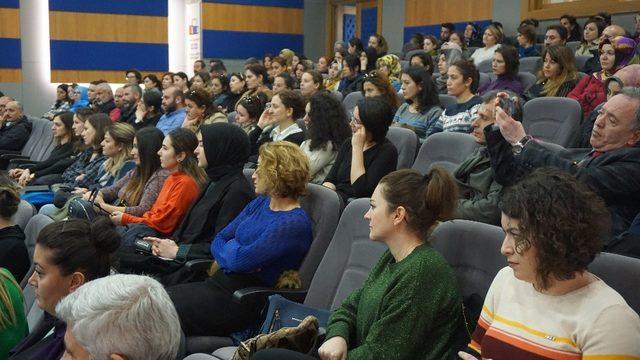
[[323, 207], [24, 214], [527, 80], [447, 100], [231, 117], [347, 261], [552, 119], [484, 66], [34, 314], [248, 173], [529, 64], [404, 64], [44, 144], [622, 274], [406, 142], [409, 54], [472, 249], [336, 95], [447, 149], [483, 79], [32, 231], [580, 61], [573, 45], [349, 102]]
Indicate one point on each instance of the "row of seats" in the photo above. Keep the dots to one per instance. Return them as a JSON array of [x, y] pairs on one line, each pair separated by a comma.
[[37, 148]]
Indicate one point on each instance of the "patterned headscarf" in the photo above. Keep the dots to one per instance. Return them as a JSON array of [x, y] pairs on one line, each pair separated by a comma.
[[392, 62], [288, 55], [624, 48]]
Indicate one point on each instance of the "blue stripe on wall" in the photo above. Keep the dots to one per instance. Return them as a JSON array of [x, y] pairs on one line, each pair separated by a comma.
[[123, 7], [10, 50], [10, 4], [297, 4], [368, 22], [242, 45], [93, 55], [435, 29]]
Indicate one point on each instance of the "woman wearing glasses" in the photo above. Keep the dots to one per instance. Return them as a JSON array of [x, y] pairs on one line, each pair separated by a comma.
[[369, 156]]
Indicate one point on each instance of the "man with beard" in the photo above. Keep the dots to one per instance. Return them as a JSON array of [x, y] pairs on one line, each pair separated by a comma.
[[131, 96], [105, 103], [117, 97], [174, 111]]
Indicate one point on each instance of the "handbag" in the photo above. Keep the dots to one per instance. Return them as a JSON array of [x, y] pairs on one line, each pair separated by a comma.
[[286, 313]]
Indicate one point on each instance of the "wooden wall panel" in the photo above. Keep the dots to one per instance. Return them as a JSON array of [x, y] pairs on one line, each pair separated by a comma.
[[427, 12], [9, 23], [231, 17], [85, 76], [10, 75], [108, 27]]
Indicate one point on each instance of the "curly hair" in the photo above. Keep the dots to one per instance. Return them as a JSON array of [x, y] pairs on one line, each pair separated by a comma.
[[283, 168], [328, 122], [561, 218], [382, 83]]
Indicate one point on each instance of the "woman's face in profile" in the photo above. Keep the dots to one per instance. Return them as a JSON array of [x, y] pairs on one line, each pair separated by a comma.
[[49, 283], [521, 255]]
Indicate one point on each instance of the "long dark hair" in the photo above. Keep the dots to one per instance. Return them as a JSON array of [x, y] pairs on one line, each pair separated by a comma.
[[428, 95], [328, 122], [100, 122], [154, 79], [65, 88], [67, 120], [185, 141], [149, 141]]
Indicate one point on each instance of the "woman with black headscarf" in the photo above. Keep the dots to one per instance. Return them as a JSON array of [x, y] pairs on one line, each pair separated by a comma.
[[222, 151]]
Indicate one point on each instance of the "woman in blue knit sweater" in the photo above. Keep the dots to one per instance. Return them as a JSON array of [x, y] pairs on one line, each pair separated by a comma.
[[270, 236]]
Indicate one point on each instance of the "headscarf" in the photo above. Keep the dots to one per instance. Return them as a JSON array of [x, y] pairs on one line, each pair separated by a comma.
[[372, 58], [393, 64], [624, 48], [629, 75], [288, 55], [83, 101], [226, 147], [452, 55]]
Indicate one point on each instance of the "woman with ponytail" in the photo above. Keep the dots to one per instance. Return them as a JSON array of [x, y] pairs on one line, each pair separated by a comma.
[[179, 190], [409, 306], [13, 251], [67, 255]]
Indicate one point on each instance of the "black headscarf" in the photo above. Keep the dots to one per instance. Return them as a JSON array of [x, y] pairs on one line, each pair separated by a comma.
[[226, 147]]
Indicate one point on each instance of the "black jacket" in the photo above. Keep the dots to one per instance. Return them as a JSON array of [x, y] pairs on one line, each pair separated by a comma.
[[13, 252], [13, 136], [59, 154], [614, 175]]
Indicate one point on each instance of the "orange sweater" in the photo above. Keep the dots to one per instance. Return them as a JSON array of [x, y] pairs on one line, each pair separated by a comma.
[[173, 202]]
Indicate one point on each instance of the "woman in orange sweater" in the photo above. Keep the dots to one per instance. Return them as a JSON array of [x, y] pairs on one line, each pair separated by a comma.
[[178, 192]]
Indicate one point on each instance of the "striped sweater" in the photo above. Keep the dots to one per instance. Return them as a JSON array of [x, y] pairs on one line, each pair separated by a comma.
[[518, 322]]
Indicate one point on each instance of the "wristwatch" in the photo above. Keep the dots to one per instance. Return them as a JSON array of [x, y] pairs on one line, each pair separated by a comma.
[[517, 147]]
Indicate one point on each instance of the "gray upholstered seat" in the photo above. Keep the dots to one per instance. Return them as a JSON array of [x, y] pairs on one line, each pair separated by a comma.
[[529, 64], [552, 119], [406, 142], [349, 102], [447, 100], [24, 214], [484, 66], [447, 149], [622, 274]]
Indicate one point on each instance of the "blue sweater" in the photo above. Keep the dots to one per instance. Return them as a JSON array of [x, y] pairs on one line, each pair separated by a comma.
[[263, 242]]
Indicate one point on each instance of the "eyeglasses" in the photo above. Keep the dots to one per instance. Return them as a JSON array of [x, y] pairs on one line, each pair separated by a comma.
[[371, 74]]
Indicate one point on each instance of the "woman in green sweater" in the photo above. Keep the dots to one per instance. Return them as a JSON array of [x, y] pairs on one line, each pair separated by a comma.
[[409, 306], [13, 323]]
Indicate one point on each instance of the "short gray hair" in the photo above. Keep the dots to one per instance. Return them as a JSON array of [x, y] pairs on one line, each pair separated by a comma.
[[135, 87], [633, 93], [106, 87], [131, 315]]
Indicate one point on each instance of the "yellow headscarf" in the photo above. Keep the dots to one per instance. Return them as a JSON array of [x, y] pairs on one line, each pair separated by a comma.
[[392, 62]]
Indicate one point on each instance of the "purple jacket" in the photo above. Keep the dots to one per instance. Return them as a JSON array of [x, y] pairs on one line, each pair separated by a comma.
[[502, 82]]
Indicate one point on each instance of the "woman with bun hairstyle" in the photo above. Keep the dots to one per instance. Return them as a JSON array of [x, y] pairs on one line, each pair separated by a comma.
[[237, 87], [200, 110], [409, 306], [67, 255], [13, 251], [181, 187], [248, 111]]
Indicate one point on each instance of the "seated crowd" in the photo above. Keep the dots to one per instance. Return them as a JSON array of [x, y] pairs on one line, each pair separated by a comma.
[[151, 178]]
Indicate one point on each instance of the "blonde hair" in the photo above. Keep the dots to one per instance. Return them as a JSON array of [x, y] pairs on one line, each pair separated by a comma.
[[8, 317], [122, 134], [283, 168]]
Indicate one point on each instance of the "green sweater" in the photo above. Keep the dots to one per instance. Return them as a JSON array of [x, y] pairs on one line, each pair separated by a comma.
[[11, 335], [405, 310]]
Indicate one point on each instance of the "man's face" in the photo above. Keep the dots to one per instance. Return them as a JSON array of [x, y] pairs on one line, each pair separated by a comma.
[[129, 97], [553, 38], [444, 34], [485, 117], [197, 67], [3, 103], [92, 92], [12, 112], [615, 126], [118, 97], [168, 101]]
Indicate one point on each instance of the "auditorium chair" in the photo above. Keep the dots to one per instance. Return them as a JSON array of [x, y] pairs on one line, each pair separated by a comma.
[[552, 119], [446, 149], [406, 142]]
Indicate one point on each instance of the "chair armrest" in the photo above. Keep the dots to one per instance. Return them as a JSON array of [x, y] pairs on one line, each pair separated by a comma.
[[10, 156], [199, 265], [258, 296], [18, 162]]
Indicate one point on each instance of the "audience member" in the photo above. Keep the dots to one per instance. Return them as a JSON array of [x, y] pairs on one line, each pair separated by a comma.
[[376, 84], [105, 102], [421, 110], [610, 169], [91, 92], [79, 97], [133, 77], [389, 66], [593, 29], [255, 77], [181, 81], [278, 66], [199, 66], [217, 68], [445, 59], [411, 290], [573, 28], [151, 81], [547, 288], [283, 81], [527, 41], [120, 317], [351, 75], [614, 55], [237, 87], [174, 110], [63, 102], [462, 83], [15, 129], [472, 35], [505, 65], [67, 255], [332, 81], [310, 83], [267, 61], [118, 97], [300, 68], [368, 58], [446, 29], [327, 129], [148, 110], [458, 39], [610, 32], [13, 322], [63, 137], [368, 156], [355, 46], [220, 92], [167, 80], [323, 64], [270, 236], [431, 45], [278, 122], [492, 39], [13, 250], [248, 111], [558, 75], [200, 110], [130, 99], [201, 80], [555, 35], [222, 152], [423, 60], [379, 43], [339, 56], [415, 42]]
